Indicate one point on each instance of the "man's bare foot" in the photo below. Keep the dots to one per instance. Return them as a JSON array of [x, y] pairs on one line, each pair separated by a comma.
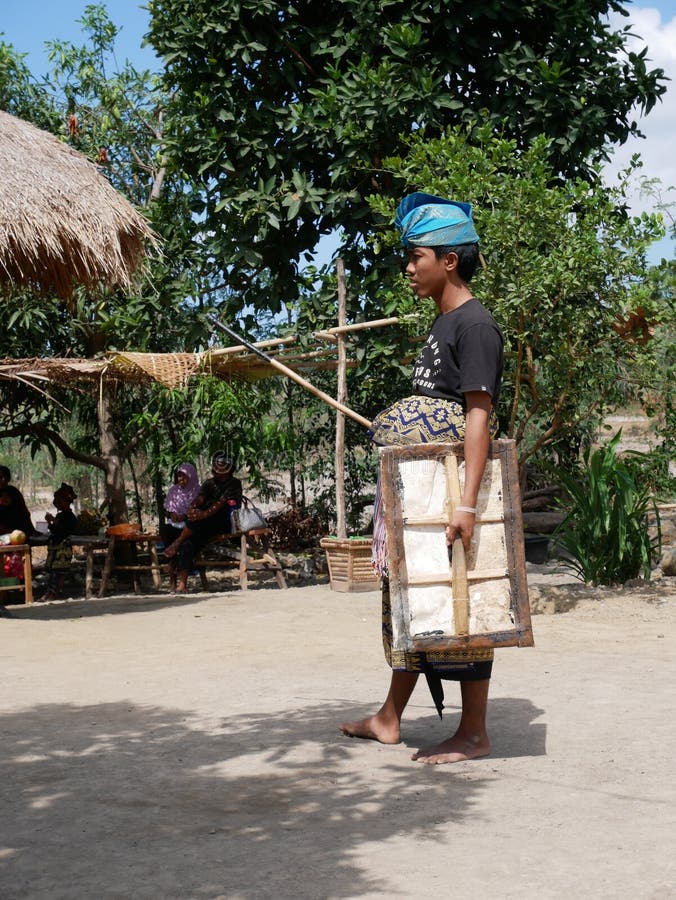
[[455, 749], [372, 729]]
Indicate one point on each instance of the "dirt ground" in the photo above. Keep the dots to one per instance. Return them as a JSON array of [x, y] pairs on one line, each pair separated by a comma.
[[157, 747]]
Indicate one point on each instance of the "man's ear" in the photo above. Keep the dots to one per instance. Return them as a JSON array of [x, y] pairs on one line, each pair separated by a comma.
[[451, 261]]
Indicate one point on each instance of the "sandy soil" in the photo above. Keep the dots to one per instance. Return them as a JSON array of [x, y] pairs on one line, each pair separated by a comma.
[[188, 748]]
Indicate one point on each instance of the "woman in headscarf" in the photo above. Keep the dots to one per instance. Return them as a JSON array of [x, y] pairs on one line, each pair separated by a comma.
[[208, 516], [456, 380], [180, 497]]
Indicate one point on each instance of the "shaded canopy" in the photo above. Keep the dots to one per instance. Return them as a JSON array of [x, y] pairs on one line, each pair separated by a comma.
[[173, 370], [61, 222]]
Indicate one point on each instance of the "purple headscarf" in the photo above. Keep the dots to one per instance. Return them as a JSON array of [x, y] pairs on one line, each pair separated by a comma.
[[179, 499]]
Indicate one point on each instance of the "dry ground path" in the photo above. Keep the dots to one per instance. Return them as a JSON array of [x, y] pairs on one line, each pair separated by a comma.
[[188, 748]]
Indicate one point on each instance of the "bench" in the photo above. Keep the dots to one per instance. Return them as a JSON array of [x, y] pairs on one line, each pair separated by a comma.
[[254, 555]]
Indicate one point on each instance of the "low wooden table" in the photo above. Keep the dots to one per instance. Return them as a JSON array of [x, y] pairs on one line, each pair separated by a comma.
[[27, 586], [150, 540]]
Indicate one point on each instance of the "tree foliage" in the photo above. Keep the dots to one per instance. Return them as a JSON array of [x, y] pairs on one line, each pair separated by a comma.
[[114, 115], [561, 262], [284, 111]]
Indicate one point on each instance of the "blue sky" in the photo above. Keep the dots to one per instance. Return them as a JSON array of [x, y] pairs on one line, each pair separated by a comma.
[[32, 22]]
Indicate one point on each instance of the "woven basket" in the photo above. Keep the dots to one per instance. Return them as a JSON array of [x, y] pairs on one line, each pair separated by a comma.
[[349, 562]]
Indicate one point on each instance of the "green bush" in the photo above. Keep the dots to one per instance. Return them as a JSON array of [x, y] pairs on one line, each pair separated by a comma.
[[605, 531]]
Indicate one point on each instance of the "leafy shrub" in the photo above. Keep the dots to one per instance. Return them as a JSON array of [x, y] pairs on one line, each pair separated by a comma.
[[605, 531]]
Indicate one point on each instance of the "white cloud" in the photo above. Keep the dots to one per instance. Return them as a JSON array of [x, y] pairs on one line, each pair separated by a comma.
[[658, 149]]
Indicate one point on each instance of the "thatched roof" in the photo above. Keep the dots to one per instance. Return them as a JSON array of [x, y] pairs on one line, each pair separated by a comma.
[[61, 222]]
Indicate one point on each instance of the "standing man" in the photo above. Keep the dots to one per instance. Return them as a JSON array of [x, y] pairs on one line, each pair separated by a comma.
[[456, 381]]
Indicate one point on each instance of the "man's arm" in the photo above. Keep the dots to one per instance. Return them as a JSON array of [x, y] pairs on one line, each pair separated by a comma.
[[477, 441]]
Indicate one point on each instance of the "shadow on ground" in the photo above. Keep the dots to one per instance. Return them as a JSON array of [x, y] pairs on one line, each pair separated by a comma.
[[104, 606], [112, 801]]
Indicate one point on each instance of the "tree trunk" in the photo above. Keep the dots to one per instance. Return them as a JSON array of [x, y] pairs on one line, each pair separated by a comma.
[[110, 454]]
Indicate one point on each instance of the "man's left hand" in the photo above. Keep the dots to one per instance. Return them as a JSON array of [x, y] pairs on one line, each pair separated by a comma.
[[461, 526]]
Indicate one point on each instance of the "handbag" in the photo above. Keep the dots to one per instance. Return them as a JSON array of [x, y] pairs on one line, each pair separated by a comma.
[[247, 517]]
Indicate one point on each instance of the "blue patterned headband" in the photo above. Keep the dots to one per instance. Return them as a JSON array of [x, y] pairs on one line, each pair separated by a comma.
[[428, 221]]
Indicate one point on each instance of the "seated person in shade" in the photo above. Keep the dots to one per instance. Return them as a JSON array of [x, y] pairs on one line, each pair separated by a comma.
[[208, 516], [59, 547], [14, 514], [180, 497]]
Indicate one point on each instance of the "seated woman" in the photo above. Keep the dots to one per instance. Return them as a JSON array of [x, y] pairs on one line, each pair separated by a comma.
[[14, 514], [208, 516], [180, 497], [59, 547]]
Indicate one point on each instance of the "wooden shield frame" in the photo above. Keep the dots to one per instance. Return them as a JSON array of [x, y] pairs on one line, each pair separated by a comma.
[[473, 604]]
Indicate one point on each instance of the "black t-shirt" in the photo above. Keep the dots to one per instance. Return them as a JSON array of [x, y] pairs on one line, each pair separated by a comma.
[[464, 352], [214, 490]]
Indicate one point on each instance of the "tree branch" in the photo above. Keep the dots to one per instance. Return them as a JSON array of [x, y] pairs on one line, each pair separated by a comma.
[[51, 436]]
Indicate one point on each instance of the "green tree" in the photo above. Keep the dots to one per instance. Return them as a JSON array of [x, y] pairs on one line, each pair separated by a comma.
[[283, 112], [21, 94], [562, 260], [114, 115]]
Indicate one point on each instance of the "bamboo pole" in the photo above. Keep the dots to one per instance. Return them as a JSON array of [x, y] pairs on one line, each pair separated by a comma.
[[341, 397], [294, 376], [238, 348], [332, 333]]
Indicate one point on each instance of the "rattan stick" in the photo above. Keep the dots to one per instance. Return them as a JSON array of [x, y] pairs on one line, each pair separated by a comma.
[[459, 581]]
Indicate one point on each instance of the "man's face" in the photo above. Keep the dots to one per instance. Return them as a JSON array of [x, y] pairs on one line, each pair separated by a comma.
[[221, 475], [426, 273]]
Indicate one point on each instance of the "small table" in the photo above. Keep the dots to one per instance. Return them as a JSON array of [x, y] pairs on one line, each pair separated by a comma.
[[153, 566], [27, 586]]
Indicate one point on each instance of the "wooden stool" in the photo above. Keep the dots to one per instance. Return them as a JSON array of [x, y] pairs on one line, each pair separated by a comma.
[[27, 586]]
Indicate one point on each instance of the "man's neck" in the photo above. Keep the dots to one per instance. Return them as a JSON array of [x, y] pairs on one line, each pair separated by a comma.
[[453, 297]]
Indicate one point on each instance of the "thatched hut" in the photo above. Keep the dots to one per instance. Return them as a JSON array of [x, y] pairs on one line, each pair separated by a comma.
[[61, 222]]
